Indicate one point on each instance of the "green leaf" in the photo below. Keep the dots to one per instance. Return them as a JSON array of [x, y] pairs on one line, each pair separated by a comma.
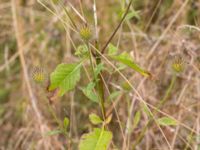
[[99, 139], [54, 132], [136, 119], [133, 14], [89, 92], [123, 58], [112, 50], [166, 121], [65, 123], [95, 119], [122, 66], [65, 77]]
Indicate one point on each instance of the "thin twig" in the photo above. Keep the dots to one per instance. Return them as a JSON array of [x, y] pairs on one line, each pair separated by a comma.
[[117, 28]]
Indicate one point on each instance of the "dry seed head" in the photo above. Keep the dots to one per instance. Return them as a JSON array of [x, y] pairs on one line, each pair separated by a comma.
[[178, 64], [85, 33], [38, 75]]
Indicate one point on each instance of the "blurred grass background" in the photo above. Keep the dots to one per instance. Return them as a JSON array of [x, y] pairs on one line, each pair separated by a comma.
[[46, 43]]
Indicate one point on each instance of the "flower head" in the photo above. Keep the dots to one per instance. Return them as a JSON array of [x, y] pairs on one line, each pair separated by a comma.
[[178, 64], [85, 33], [38, 75]]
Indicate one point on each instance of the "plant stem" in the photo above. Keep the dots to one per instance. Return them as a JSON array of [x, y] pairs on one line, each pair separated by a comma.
[[163, 101], [100, 89], [98, 81], [117, 28]]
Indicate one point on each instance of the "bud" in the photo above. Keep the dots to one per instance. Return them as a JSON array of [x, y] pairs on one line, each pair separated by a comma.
[[85, 33], [82, 51], [39, 75], [178, 64]]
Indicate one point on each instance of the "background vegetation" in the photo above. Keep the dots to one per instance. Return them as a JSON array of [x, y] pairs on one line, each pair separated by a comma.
[[138, 89]]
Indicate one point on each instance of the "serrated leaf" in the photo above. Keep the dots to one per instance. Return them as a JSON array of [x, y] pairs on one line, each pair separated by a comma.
[[94, 119], [89, 92], [65, 77], [54, 132], [166, 121], [98, 139], [112, 50], [122, 58]]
